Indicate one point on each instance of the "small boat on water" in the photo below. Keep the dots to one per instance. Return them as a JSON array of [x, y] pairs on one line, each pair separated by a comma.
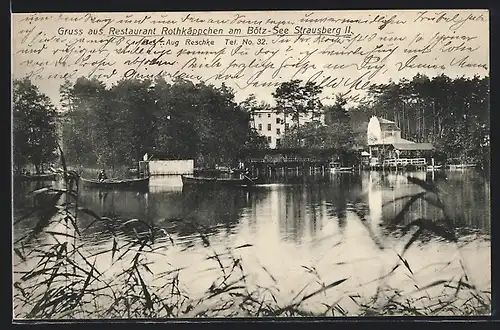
[[131, 184], [337, 167], [36, 177], [460, 166], [342, 169], [434, 167], [212, 181]]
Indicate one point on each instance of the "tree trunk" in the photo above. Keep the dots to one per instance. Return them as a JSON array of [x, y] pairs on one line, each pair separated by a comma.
[[423, 124], [407, 118], [284, 120]]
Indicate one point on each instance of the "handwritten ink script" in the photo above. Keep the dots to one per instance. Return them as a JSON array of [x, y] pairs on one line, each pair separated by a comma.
[[342, 51]]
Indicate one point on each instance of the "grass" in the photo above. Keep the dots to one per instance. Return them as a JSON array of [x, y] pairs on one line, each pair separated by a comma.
[[62, 280]]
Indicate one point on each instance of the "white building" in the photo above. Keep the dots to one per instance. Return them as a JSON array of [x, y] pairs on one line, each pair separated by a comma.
[[272, 125], [385, 141]]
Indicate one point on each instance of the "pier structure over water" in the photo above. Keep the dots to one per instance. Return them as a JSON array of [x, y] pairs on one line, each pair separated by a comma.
[[293, 161], [388, 150], [288, 166]]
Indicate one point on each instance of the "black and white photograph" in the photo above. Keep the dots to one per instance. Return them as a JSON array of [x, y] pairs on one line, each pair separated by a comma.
[[251, 164]]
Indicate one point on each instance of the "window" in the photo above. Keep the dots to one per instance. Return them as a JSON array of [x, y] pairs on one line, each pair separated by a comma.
[[278, 121], [260, 115], [278, 131], [268, 115], [278, 142], [268, 127], [269, 139], [260, 127]]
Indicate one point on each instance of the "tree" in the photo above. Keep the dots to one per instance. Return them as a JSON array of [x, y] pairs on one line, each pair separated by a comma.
[[133, 107], [296, 100], [314, 135], [34, 126], [180, 120], [453, 114], [66, 96], [337, 113], [337, 132], [79, 135], [359, 118]]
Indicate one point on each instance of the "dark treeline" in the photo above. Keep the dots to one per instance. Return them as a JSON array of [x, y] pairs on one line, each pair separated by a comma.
[[115, 126], [34, 127], [335, 132], [453, 114]]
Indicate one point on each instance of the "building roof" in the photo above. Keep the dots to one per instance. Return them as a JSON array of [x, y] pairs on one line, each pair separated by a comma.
[[275, 111], [394, 139], [387, 125], [264, 110], [413, 146], [385, 121]]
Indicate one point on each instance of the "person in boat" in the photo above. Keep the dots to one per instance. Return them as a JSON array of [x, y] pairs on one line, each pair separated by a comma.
[[245, 174], [102, 176]]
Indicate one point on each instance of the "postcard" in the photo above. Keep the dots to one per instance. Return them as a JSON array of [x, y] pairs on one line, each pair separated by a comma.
[[251, 164]]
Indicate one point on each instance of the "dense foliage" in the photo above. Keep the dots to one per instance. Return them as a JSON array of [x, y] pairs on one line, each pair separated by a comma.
[[34, 127], [116, 125], [180, 120], [294, 99], [453, 114], [336, 132]]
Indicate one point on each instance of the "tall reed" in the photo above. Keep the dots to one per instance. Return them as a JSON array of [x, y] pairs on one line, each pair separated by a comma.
[[61, 279]]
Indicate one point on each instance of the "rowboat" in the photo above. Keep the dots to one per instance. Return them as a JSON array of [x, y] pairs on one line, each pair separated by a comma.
[[211, 181], [134, 184], [337, 167], [341, 169], [460, 166], [36, 177]]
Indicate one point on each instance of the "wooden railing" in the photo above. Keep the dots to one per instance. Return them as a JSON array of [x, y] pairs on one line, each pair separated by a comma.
[[287, 160], [405, 162]]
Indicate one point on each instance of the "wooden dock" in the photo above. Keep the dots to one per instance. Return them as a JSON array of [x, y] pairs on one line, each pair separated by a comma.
[[288, 166], [400, 164]]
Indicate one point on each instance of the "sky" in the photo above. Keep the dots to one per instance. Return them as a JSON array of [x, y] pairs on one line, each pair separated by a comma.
[[252, 52]]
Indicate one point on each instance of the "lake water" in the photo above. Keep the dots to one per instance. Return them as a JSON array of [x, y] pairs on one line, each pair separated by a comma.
[[338, 226]]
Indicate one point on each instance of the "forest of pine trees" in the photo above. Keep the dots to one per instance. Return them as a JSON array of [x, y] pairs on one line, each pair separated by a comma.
[[116, 125]]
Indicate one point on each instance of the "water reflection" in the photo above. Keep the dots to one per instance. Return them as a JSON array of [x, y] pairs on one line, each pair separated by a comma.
[[300, 211], [315, 221], [465, 195]]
